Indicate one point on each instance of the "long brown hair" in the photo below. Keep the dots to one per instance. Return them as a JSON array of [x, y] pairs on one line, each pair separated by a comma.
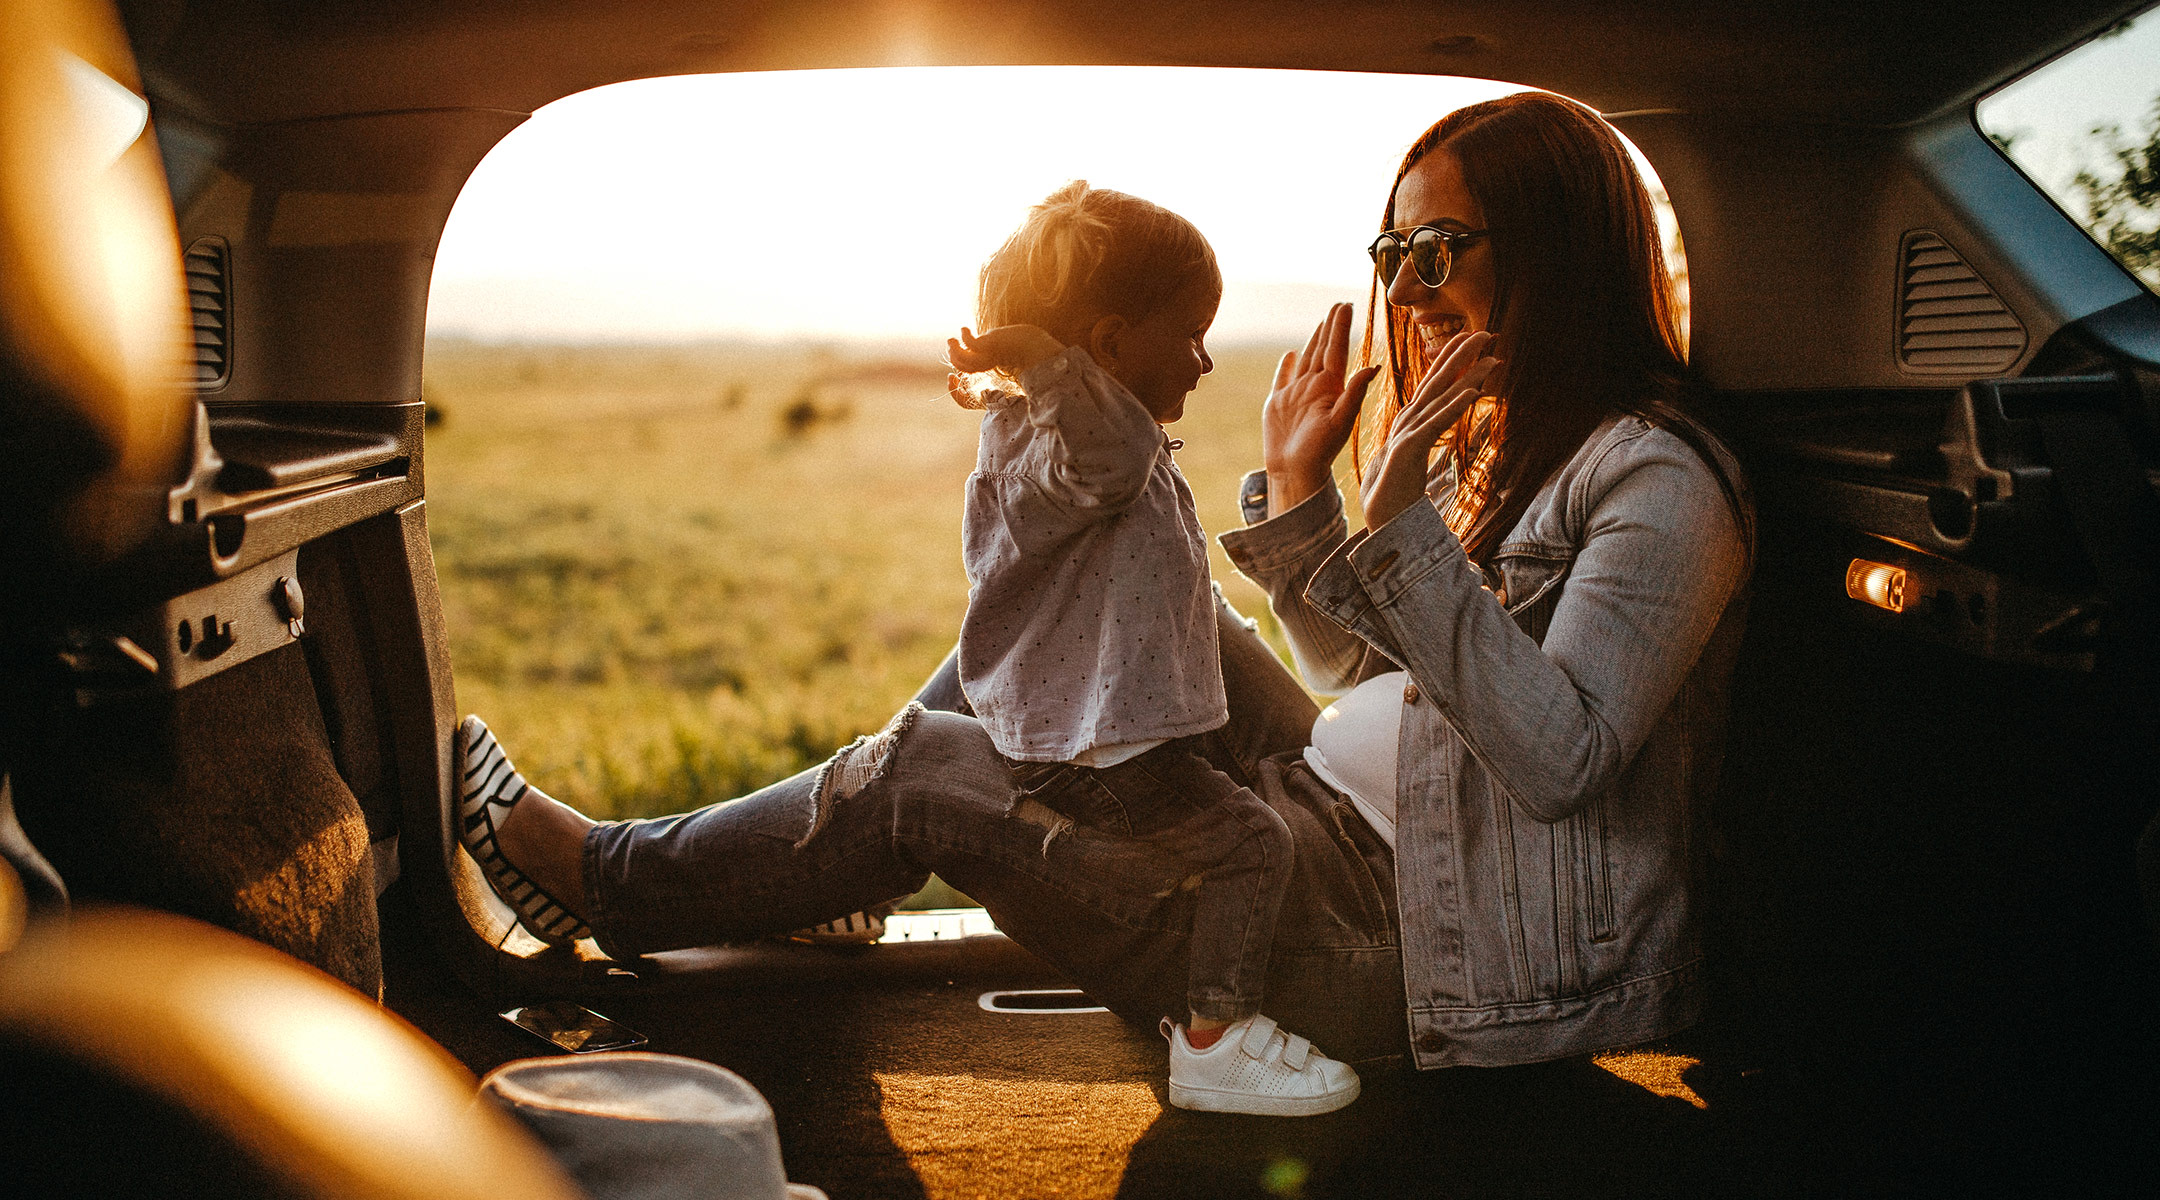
[[1583, 315]]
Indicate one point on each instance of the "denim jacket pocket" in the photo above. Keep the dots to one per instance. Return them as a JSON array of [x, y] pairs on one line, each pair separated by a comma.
[[1527, 578], [1597, 871]]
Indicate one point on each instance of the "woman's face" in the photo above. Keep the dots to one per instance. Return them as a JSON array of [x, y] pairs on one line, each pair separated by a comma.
[[1433, 193]]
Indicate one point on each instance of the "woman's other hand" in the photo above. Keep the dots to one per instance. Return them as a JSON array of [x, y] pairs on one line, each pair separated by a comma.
[[1310, 414], [1400, 475], [1008, 348]]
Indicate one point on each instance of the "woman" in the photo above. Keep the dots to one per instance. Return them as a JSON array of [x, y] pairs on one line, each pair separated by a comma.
[[1493, 832]]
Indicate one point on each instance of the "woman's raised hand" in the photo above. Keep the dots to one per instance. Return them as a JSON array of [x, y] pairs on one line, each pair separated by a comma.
[[1310, 414], [1454, 383]]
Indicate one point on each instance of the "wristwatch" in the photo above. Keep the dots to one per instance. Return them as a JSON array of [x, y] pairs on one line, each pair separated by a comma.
[[1252, 498]]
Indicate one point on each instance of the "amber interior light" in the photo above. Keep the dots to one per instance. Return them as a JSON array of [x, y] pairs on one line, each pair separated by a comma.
[[1879, 584]]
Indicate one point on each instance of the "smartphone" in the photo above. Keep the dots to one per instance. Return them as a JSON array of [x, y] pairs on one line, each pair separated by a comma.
[[572, 1027]]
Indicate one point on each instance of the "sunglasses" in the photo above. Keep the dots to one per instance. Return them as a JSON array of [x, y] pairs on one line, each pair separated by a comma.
[[1430, 249]]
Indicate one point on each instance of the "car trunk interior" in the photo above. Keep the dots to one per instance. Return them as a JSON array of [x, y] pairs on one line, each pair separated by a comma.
[[1929, 954]]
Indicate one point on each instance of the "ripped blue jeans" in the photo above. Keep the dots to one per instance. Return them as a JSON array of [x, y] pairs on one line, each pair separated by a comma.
[[1117, 914]]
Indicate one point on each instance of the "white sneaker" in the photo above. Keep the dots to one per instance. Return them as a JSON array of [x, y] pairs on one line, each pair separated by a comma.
[[1255, 1067]]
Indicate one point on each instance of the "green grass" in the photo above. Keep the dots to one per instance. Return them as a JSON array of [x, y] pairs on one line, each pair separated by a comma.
[[673, 575]]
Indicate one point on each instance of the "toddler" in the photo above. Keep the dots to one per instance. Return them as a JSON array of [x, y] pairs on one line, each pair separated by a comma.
[[1089, 649]]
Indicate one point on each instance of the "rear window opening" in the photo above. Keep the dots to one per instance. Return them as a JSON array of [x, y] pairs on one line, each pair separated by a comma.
[[695, 486]]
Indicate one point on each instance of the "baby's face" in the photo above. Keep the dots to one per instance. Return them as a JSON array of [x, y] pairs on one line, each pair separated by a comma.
[[1160, 360]]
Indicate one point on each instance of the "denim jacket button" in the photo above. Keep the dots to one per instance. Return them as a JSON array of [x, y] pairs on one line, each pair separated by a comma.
[[1409, 694], [1431, 1043]]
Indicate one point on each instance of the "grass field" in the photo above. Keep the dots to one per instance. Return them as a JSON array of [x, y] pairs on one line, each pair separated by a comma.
[[675, 574]]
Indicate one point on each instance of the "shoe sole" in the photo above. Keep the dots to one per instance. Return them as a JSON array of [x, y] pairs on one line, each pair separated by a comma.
[[1202, 1099]]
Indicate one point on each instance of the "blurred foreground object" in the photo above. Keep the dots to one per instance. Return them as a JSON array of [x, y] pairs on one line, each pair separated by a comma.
[[93, 301], [631, 1125], [152, 1054]]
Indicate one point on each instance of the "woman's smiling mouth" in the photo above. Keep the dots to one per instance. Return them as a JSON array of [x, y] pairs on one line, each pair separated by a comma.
[[1439, 327]]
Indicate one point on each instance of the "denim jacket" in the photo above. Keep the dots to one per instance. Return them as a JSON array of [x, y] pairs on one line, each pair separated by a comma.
[[1564, 719]]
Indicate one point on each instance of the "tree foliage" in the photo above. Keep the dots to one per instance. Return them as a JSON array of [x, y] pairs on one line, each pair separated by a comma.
[[2122, 197]]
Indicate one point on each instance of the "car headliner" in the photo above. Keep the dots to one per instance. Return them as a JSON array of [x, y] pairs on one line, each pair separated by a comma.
[[1861, 62]]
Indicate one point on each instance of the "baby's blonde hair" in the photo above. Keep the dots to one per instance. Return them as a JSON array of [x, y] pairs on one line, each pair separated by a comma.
[[1087, 253]]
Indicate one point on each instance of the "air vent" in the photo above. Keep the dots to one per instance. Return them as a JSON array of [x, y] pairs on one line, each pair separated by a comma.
[[209, 286], [1949, 323]]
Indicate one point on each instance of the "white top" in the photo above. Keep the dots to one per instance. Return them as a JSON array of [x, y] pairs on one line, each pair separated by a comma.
[[1353, 748], [1110, 756]]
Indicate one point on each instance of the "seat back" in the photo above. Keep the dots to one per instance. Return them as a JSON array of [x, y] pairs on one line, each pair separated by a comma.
[[93, 309], [153, 1054]]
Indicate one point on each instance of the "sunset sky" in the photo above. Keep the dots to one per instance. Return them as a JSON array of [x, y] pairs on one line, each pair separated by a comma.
[[859, 204]]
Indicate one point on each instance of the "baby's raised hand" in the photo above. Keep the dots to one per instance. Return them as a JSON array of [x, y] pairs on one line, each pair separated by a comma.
[[1008, 348]]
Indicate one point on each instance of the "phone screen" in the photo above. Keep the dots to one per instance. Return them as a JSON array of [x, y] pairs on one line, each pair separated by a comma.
[[573, 1027]]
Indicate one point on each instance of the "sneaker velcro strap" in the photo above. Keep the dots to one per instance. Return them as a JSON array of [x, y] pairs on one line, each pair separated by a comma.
[[1295, 1054], [1258, 1034]]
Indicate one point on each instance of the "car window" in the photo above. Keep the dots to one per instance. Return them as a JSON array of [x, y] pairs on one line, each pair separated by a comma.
[[2086, 128]]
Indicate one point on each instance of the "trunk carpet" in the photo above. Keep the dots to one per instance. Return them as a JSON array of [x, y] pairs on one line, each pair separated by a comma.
[[890, 1084]]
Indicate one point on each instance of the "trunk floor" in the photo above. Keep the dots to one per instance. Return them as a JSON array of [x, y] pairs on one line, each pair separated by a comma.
[[888, 1084]]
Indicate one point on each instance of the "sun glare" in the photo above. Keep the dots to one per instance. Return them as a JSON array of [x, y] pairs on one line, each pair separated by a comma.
[[858, 204]]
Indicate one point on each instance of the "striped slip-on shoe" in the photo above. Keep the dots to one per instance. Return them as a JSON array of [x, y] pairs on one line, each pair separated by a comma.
[[488, 787], [854, 929]]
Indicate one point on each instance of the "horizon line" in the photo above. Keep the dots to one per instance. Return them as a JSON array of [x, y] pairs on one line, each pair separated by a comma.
[[804, 340]]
